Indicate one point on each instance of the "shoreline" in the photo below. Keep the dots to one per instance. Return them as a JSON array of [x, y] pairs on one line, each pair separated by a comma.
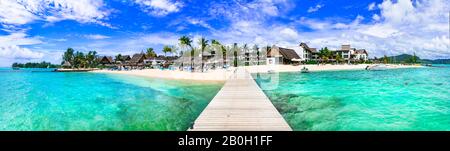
[[221, 75]]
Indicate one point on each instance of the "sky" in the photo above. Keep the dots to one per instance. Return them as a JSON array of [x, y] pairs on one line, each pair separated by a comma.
[[41, 30]]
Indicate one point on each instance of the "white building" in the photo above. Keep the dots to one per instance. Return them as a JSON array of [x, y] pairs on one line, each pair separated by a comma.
[[361, 55]]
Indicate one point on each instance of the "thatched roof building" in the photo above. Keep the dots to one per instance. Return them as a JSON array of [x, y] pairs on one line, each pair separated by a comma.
[[105, 60], [283, 55], [138, 59], [66, 64]]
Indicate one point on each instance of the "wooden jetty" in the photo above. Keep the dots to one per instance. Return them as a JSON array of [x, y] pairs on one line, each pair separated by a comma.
[[240, 106]]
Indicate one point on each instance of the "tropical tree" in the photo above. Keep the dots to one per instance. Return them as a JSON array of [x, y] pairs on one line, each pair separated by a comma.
[[338, 58], [69, 56], [90, 58], [119, 57], [245, 50], [325, 54], [173, 50], [414, 58], [235, 49], [218, 48], [151, 53], [186, 41], [203, 44], [79, 60], [385, 59], [256, 48], [166, 49]]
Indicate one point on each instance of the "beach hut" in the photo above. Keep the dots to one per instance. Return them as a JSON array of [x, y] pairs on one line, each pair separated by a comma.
[[282, 55], [138, 60], [106, 60], [126, 57], [66, 64]]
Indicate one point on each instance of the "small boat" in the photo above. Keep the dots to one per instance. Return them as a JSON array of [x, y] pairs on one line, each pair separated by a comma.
[[304, 70], [377, 67]]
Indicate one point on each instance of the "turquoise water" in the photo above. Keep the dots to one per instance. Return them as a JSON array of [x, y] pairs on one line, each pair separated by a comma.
[[400, 99], [90, 101]]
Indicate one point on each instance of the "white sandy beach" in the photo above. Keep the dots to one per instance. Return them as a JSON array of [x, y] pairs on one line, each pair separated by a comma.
[[223, 75]]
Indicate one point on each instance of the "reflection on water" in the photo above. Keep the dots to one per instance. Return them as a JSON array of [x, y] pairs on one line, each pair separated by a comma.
[[88, 101], [402, 99]]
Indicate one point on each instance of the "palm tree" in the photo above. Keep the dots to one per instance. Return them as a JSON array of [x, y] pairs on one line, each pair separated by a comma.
[[151, 53], [119, 57], [245, 49], [325, 54], [173, 49], [79, 60], [385, 59], [203, 43], [69, 56], [235, 47], [184, 40], [256, 48], [166, 49], [338, 58], [216, 46], [90, 58]]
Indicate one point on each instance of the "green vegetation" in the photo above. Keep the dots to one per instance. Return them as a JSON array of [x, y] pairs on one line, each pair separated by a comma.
[[119, 57], [403, 58], [186, 41], [35, 65], [167, 49], [235, 62], [325, 54], [151, 53], [203, 43], [79, 59], [311, 62], [255, 47], [437, 61]]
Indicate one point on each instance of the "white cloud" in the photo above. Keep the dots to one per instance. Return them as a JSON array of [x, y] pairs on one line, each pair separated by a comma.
[[19, 12], [372, 6], [11, 48], [11, 12], [159, 7], [18, 38], [376, 17], [199, 22], [379, 30], [402, 26], [16, 52], [315, 8], [96, 36], [248, 22]]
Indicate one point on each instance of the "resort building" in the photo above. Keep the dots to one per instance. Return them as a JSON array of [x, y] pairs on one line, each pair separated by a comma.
[[361, 55], [282, 55], [138, 60], [66, 64], [308, 54], [125, 59], [251, 56], [105, 60], [345, 52]]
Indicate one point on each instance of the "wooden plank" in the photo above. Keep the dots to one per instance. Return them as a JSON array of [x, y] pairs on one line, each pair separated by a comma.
[[240, 106]]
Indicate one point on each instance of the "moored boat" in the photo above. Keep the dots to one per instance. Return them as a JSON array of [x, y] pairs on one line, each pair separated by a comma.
[[304, 70], [380, 67]]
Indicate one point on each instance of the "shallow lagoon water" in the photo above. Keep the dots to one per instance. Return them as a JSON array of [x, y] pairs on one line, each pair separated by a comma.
[[399, 99], [92, 101]]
